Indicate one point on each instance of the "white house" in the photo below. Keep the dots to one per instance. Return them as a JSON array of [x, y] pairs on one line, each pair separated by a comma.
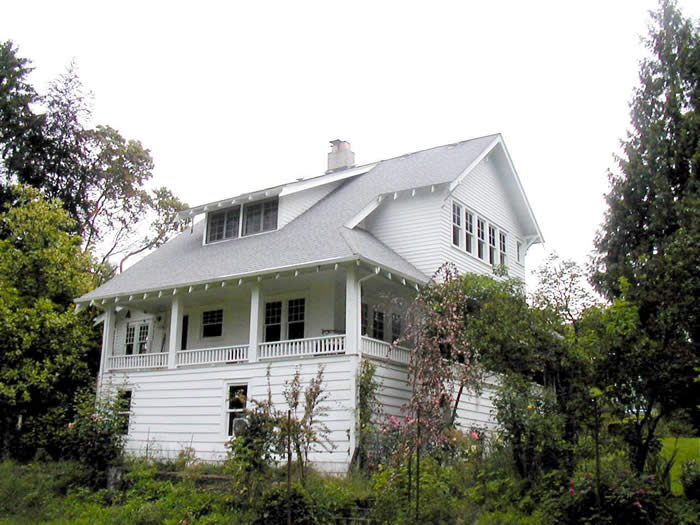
[[295, 276]]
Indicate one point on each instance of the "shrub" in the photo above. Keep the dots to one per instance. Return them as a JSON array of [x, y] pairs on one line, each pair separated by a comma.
[[273, 507], [690, 479]]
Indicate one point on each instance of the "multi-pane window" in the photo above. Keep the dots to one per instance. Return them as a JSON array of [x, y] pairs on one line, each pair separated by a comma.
[[456, 223], [395, 327], [260, 217], [223, 224], [257, 217], [273, 321], [469, 240], [378, 325], [212, 323], [237, 398], [364, 318], [137, 338], [502, 248], [124, 410], [295, 318], [481, 238], [492, 245]]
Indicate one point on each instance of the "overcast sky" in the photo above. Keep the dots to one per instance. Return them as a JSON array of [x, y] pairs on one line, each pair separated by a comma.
[[235, 96]]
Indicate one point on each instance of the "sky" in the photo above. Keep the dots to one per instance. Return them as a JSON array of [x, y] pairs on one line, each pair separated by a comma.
[[235, 96]]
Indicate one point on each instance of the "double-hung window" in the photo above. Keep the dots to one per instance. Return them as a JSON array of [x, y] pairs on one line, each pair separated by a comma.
[[137, 337], [285, 319], [237, 399], [502, 248], [469, 239], [212, 323], [223, 224], [481, 238], [492, 245], [378, 325], [519, 252], [456, 224], [395, 327], [260, 217], [124, 410]]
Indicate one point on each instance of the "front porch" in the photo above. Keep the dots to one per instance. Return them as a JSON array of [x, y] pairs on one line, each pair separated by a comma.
[[334, 311]]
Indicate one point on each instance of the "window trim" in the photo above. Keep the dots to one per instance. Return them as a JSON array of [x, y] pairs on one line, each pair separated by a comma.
[[126, 413], [137, 324]]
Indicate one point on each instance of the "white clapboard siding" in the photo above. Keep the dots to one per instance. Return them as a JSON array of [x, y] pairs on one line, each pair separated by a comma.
[[483, 192], [173, 409], [395, 392], [291, 206], [408, 225]]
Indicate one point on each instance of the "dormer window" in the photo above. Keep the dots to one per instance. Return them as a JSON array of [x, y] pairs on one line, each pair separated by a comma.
[[258, 217]]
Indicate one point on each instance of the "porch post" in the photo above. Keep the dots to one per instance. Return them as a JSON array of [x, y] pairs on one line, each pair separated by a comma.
[[175, 330], [107, 342], [253, 336], [352, 312]]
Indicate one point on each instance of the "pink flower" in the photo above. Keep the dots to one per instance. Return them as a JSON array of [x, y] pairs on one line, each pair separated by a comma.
[[474, 435], [573, 491], [71, 424], [637, 504], [639, 492]]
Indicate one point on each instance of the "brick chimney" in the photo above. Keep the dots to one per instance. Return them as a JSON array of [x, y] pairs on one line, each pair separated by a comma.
[[340, 156]]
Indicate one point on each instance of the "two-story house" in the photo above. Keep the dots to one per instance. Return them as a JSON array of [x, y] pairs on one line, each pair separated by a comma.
[[297, 275]]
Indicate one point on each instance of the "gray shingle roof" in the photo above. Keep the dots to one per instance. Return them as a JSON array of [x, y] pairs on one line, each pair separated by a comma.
[[318, 234]]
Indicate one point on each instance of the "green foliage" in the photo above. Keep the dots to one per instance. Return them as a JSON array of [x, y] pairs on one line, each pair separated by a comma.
[[96, 436], [690, 479], [531, 425], [45, 345], [648, 248], [368, 407], [277, 502]]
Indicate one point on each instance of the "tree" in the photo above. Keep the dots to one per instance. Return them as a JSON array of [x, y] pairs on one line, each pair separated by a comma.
[[100, 177], [648, 250], [45, 345]]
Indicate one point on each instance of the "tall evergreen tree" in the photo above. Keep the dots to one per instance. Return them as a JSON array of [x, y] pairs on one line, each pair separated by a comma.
[[648, 250]]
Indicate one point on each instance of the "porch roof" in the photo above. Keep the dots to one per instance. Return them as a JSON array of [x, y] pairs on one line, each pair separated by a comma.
[[319, 235]]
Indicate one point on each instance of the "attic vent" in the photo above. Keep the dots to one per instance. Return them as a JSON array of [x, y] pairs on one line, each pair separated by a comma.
[[340, 156]]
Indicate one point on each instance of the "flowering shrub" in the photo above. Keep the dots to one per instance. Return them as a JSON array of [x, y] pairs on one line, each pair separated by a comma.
[[690, 479], [96, 436], [625, 498]]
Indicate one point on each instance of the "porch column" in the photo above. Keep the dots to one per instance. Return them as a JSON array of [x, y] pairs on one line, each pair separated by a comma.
[[107, 342], [175, 330], [352, 312], [253, 337]]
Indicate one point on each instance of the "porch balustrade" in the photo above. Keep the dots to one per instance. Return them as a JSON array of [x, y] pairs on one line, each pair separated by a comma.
[[331, 344], [312, 346], [384, 350], [128, 362], [210, 356]]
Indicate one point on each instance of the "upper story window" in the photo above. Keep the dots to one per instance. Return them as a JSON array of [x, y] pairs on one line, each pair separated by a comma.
[[137, 337], [252, 218], [479, 237], [212, 323], [519, 252]]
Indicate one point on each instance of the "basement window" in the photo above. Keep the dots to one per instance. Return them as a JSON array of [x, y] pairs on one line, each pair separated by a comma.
[[237, 399]]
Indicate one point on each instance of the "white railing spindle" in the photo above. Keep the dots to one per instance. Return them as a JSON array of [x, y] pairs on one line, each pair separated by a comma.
[[330, 344]]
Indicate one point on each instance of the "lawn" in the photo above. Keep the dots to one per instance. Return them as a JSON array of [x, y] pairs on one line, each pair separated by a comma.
[[688, 448]]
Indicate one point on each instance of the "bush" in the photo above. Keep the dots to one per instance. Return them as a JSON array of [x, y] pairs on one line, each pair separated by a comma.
[[274, 507], [690, 479], [95, 437]]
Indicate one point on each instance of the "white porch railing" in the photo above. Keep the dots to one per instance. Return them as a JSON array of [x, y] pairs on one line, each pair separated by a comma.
[[331, 344], [206, 356], [383, 350], [129, 362]]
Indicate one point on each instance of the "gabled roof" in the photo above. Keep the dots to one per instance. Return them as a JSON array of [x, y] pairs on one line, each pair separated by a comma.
[[317, 236]]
